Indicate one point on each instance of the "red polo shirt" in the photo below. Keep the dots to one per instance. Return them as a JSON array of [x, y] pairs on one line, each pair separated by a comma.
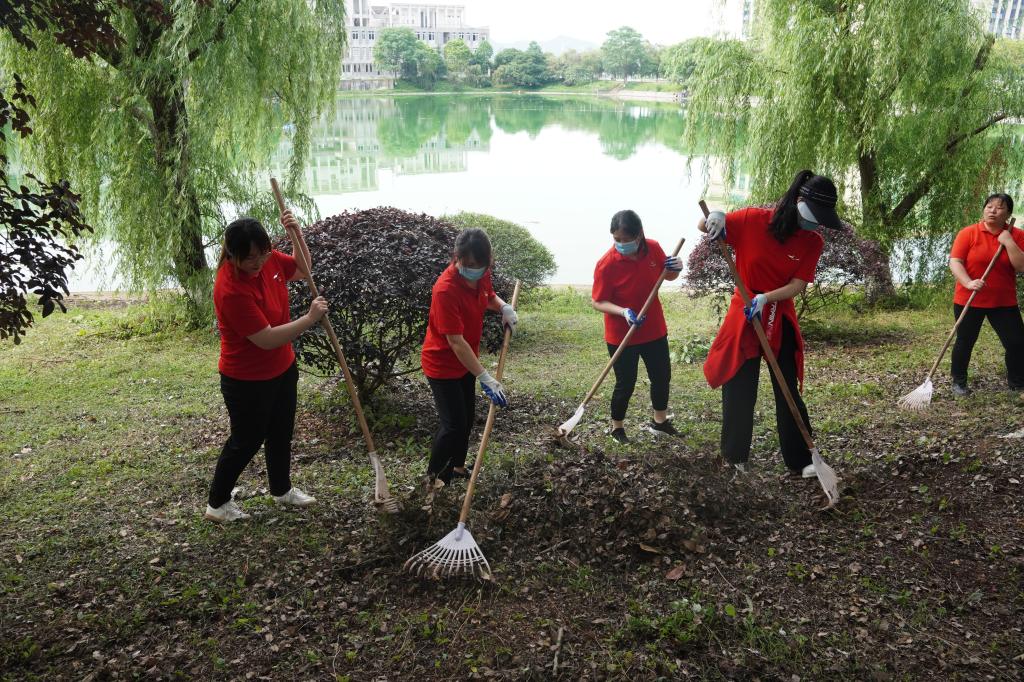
[[976, 246], [246, 305], [627, 282], [764, 265], [455, 308]]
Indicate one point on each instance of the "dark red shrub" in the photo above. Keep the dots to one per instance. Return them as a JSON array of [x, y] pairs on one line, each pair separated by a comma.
[[376, 268], [848, 260]]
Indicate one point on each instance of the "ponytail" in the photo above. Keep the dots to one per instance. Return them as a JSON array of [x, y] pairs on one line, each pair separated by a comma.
[[784, 220]]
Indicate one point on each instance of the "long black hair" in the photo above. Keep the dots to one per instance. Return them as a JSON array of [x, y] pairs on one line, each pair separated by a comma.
[[473, 242], [239, 238], [1005, 198], [630, 223], [785, 220]]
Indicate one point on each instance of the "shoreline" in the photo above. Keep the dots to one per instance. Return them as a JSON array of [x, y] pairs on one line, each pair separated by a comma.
[[621, 94]]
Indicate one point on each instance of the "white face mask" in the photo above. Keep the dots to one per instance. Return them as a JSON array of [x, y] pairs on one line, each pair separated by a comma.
[[807, 219]]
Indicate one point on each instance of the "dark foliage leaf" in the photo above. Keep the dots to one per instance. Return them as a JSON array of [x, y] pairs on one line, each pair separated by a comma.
[[377, 268]]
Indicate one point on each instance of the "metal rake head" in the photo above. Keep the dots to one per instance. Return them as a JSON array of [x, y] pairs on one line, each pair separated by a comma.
[[919, 398], [455, 554], [827, 478]]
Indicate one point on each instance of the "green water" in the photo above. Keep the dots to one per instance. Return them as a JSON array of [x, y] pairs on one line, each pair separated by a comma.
[[559, 166]]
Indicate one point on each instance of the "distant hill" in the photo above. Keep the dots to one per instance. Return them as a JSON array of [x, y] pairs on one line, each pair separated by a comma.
[[555, 45]]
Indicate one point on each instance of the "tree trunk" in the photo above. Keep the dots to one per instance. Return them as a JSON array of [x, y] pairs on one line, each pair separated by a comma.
[[170, 119]]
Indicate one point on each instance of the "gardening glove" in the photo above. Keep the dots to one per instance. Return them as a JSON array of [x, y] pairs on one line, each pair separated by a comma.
[[509, 318], [756, 306], [674, 264], [631, 317], [715, 225], [493, 389]]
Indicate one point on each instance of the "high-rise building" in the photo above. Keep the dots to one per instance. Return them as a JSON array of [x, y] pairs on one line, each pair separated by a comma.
[[436, 25], [735, 18], [1003, 18]]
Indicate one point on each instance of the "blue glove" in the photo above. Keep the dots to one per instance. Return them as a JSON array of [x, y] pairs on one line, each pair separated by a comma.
[[673, 264], [714, 224], [493, 389], [631, 317], [756, 306]]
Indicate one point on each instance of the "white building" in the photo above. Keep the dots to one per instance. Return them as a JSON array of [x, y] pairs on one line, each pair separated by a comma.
[[1003, 18], [734, 18], [435, 25]]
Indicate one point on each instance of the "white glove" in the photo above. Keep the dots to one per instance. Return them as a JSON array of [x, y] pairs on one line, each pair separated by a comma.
[[509, 318], [493, 389], [756, 306], [715, 225]]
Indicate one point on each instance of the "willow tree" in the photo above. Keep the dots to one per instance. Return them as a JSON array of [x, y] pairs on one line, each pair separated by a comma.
[[899, 101], [163, 125]]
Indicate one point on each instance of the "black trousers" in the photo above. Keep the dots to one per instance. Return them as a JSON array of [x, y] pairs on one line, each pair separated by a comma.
[[1008, 326], [739, 395], [659, 371], [262, 413], [455, 400]]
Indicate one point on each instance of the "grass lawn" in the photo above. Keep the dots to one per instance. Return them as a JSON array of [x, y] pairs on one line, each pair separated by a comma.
[[633, 562]]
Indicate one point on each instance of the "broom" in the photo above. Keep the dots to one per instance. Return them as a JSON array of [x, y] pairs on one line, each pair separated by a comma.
[[381, 495], [826, 475], [458, 552], [921, 397], [563, 431]]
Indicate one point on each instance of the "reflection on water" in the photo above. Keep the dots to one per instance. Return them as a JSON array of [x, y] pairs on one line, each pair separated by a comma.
[[559, 166]]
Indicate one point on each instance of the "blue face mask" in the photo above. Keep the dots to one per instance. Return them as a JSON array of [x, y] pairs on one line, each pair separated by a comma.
[[472, 274], [806, 220], [627, 248]]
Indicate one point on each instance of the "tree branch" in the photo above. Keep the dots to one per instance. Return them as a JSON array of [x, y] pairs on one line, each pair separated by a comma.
[[139, 115], [218, 32], [957, 139]]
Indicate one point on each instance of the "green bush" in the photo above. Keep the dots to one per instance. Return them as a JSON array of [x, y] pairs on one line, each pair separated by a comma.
[[520, 255]]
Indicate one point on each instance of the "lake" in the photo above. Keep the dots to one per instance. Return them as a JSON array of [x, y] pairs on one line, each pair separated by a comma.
[[559, 166]]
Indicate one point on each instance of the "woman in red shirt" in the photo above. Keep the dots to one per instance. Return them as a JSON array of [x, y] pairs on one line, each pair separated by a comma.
[[996, 299], [623, 280], [258, 375], [777, 251], [451, 349]]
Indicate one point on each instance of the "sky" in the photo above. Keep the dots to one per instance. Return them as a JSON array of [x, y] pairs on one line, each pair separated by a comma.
[[660, 21]]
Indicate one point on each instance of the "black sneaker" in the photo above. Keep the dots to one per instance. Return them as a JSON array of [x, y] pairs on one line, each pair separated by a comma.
[[961, 390], [620, 435], [663, 427]]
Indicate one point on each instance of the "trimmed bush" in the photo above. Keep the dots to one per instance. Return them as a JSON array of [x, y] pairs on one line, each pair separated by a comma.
[[377, 268], [847, 260], [515, 249]]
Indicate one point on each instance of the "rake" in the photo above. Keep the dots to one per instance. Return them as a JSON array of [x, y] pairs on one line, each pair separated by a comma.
[[457, 552], [566, 428], [381, 495], [921, 397], [826, 474]]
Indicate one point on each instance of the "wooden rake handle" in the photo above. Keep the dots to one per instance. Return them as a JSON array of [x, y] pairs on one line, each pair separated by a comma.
[[632, 329], [952, 333], [763, 338], [325, 322], [491, 412]]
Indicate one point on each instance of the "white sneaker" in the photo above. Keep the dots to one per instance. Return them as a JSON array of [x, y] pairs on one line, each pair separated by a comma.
[[741, 467], [226, 513], [295, 498], [809, 471]]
